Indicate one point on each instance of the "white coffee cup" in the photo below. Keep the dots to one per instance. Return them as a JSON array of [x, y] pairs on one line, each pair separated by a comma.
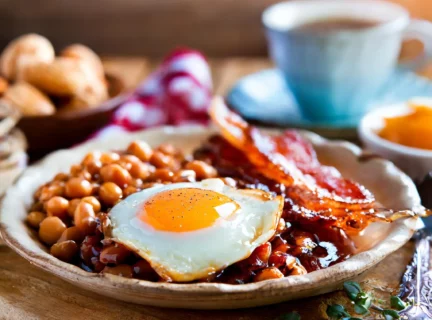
[[334, 75]]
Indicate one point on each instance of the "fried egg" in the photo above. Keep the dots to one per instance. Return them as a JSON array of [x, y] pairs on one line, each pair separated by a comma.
[[188, 231]]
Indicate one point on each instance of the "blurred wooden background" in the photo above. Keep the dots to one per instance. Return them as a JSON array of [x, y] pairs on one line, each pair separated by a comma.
[[150, 27]]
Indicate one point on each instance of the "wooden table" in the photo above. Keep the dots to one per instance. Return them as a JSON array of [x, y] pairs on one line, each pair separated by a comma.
[[27, 292]]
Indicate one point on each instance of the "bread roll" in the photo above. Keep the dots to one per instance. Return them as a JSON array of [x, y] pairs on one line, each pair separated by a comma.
[[65, 77], [84, 53], [36, 47], [29, 100]]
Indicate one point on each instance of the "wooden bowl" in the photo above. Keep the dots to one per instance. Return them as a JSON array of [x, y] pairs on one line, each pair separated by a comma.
[[390, 186], [64, 129]]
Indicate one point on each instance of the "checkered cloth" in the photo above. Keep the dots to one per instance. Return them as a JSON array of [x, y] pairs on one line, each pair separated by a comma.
[[177, 93]]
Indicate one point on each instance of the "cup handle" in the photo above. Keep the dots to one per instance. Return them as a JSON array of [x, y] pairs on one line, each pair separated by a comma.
[[420, 30]]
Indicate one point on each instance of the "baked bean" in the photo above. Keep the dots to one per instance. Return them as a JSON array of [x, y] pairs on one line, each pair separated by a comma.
[[259, 257], [168, 149], [143, 270], [263, 251], [163, 175], [90, 250], [279, 244], [298, 270], [78, 188], [52, 190], [304, 243], [35, 218], [50, 229], [84, 174], [73, 204], [184, 176], [129, 159], [92, 162], [57, 206], [160, 160], [94, 202], [202, 169], [115, 173], [88, 225], [122, 270], [58, 183], [128, 191], [65, 250], [61, 177], [91, 157], [75, 170], [109, 157], [114, 254], [84, 218], [302, 238], [124, 164], [282, 247], [93, 167], [110, 193], [141, 150], [141, 170], [281, 260], [72, 233], [267, 274]]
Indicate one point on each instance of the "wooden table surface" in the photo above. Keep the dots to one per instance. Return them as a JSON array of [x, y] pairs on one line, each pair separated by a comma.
[[27, 292]]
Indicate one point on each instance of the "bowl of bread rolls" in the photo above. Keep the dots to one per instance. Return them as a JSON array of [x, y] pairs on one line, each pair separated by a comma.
[[62, 98]]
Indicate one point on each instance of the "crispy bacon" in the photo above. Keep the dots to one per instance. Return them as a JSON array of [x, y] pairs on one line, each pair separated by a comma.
[[317, 192]]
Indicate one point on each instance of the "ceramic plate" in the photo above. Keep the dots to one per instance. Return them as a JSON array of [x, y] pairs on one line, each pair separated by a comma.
[[390, 186]]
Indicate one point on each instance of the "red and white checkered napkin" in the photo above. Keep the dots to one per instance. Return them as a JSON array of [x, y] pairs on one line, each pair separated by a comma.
[[177, 93]]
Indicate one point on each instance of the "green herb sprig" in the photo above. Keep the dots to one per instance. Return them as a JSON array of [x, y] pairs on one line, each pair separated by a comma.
[[362, 303], [397, 303], [362, 300]]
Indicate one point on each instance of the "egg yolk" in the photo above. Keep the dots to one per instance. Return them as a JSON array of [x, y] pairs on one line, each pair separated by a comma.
[[188, 209]]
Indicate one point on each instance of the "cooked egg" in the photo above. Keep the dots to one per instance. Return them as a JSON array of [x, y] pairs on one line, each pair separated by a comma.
[[188, 231]]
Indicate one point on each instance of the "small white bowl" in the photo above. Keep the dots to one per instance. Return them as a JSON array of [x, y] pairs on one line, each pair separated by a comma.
[[414, 161]]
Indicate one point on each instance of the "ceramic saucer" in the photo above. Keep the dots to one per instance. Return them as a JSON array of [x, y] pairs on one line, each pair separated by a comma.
[[264, 97]]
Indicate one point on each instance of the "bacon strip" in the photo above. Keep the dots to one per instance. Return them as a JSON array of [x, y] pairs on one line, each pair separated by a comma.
[[292, 161]]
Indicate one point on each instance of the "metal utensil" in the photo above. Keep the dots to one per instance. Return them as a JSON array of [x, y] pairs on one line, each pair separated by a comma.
[[416, 286]]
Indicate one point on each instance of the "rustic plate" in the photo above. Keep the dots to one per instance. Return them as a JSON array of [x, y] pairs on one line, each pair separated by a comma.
[[391, 187]]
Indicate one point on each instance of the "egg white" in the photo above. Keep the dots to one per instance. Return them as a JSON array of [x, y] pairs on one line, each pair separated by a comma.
[[187, 256]]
